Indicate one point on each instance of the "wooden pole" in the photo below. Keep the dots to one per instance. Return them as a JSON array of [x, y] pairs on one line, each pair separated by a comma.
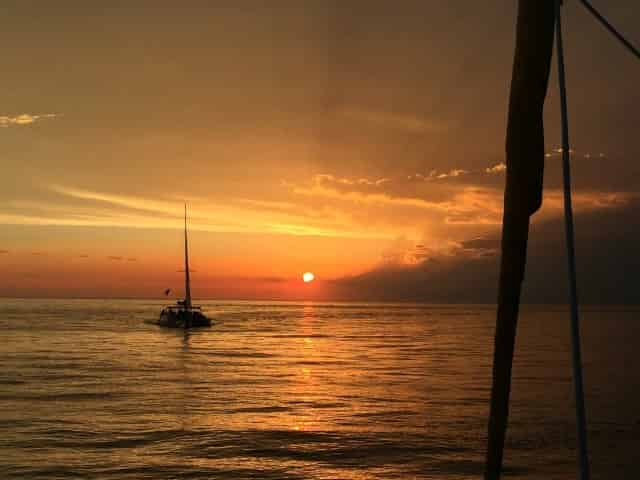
[[522, 198]]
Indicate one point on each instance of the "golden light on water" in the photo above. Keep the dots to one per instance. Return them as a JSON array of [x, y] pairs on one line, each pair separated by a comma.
[[308, 277]]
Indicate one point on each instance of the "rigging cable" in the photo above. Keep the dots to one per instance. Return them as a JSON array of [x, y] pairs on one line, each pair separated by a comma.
[[634, 50], [583, 459]]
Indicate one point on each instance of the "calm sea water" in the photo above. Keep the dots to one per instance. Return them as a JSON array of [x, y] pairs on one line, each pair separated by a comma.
[[304, 391]]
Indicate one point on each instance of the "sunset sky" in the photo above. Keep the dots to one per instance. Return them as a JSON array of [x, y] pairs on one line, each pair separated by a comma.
[[360, 141]]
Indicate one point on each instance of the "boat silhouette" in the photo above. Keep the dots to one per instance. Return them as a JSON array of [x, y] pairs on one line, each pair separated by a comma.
[[184, 314]]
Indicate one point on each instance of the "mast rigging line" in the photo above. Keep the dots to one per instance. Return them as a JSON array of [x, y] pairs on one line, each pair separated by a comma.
[[581, 422], [523, 195], [634, 50]]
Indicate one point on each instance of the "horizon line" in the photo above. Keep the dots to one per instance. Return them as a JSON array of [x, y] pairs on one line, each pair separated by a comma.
[[307, 300]]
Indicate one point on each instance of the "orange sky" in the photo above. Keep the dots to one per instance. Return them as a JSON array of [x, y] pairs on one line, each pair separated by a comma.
[[311, 136]]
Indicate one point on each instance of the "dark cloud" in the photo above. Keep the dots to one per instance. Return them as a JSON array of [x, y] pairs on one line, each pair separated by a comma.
[[480, 246], [443, 280], [2, 252], [607, 260], [481, 243], [606, 173]]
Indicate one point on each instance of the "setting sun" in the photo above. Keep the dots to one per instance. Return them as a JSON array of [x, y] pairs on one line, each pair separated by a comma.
[[308, 277]]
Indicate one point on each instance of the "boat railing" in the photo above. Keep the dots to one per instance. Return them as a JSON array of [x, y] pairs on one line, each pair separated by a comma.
[[182, 307]]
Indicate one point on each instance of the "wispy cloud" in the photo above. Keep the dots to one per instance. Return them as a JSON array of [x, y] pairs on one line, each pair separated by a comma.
[[405, 252], [589, 200], [255, 216], [457, 172], [328, 178], [435, 175], [467, 205], [323, 205], [556, 152], [498, 168], [464, 204], [24, 119], [432, 175], [399, 121]]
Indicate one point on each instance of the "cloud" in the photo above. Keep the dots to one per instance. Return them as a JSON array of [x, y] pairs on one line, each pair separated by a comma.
[[328, 178], [83, 207], [588, 200], [463, 205], [404, 252], [498, 168], [479, 246], [319, 188], [267, 204], [557, 152], [405, 207], [439, 215], [4, 252], [480, 243], [399, 121], [452, 173], [24, 119], [115, 258], [607, 261], [434, 175], [472, 175]]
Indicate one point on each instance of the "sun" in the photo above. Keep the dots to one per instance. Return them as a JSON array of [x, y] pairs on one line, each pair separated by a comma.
[[308, 277]]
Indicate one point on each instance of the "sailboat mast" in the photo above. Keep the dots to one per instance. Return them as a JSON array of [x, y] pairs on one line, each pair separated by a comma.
[[187, 282]]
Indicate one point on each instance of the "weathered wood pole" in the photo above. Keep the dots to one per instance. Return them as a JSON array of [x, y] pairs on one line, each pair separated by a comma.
[[522, 198]]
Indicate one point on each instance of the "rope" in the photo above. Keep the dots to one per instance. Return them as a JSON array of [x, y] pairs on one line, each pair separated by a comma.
[[611, 28], [583, 459]]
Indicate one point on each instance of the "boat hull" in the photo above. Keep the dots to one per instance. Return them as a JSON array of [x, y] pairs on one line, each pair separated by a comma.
[[183, 319]]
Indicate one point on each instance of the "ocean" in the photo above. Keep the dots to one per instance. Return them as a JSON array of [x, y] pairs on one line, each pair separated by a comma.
[[279, 390]]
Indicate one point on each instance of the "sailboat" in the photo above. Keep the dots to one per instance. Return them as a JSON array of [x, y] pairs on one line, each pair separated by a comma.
[[184, 314]]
